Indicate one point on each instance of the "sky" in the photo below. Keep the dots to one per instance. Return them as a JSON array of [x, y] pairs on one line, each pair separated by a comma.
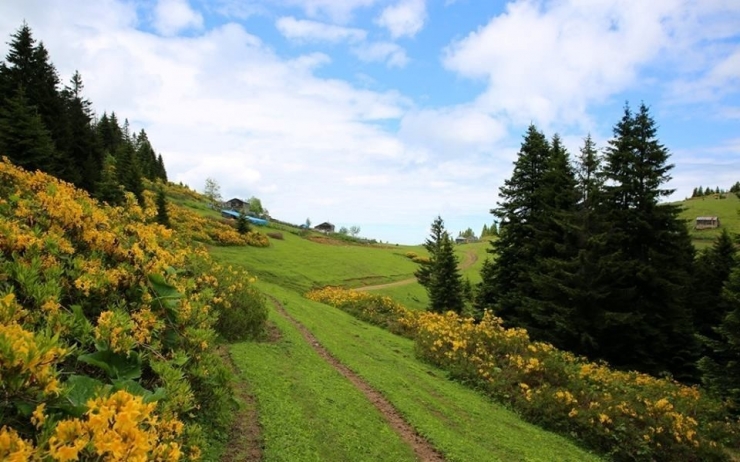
[[384, 114]]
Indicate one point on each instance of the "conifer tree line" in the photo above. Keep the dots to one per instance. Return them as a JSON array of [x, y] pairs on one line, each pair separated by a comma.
[[51, 127], [708, 191], [591, 259]]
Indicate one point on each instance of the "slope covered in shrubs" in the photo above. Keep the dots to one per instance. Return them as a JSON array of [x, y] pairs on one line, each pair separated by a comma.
[[625, 415], [108, 325]]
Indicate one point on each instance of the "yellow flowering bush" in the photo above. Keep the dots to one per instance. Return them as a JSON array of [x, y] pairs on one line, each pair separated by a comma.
[[210, 231], [375, 309], [627, 415], [107, 329]]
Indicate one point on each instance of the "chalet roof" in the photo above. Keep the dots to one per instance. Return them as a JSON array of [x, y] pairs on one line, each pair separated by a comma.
[[325, 224], [706, 218]]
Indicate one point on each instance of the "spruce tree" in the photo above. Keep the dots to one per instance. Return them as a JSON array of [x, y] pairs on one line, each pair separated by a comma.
[[555, 245], [84, 153], [161, 171], [162, 217], [440, 276], [129, 174], [721, 370], [645, 256], [711, 271], [508, 281], [23, 137], [108, 189]]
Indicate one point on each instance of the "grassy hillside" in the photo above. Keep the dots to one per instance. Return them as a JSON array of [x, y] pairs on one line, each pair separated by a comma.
[[728, 211], [460, 423], [302, 264], [414, 295]]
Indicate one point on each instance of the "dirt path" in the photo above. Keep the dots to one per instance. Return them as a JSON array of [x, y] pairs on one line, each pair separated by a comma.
[[424, 451], [470, 259], [245, 437]]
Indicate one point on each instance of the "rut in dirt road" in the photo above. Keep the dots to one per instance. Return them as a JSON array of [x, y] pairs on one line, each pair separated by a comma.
[[423, 450], [245, 437]]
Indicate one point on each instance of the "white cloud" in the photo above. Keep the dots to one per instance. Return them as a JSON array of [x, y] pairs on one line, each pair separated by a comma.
[[174, 16], [307, 30], [406, 18], [225, 104], [340, 11], [452, 128], [548, 62], [390, 53]]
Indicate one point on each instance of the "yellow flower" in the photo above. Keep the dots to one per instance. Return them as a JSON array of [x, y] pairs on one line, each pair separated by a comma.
[[38, 418]]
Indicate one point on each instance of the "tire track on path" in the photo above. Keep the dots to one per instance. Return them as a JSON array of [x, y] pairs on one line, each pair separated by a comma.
[[245, 438], [470, 259], [422, 448]]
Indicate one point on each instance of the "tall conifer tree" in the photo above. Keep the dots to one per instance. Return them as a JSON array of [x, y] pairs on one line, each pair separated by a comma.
[[645, 256], [507, 281]]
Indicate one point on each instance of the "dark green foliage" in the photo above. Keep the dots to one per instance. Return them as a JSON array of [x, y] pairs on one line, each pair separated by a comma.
[[711, 271], [129, 173], [84, 155], [468, 233], [721, 370], [242, 224], [108, 189], [556, 242], [507, 282], [589, 258], [645, 255], [45, 128], [23, 137], [162, 217], [441, 276], [485, 292]]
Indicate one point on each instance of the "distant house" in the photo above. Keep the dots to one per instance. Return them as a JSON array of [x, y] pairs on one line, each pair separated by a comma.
[[707, 222], [325, 227], [466, 240], [235, 204]]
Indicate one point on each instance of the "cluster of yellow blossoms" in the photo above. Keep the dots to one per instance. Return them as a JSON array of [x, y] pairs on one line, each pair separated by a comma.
[[124, 295], [120, 427], [627, 414]]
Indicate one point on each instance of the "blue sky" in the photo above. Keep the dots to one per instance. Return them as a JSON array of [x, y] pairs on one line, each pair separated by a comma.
[[385, 113]]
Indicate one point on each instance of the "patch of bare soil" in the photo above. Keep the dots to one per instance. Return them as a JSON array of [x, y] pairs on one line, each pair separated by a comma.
[[326, 240], [422, 448], [245, 438], [272, 333]]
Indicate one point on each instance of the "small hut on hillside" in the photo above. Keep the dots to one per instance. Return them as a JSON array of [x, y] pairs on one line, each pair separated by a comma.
[[707, 222], [235, 204], [325, 227]]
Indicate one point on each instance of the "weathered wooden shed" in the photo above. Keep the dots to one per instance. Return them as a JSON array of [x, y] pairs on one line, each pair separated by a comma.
[[707, 223]]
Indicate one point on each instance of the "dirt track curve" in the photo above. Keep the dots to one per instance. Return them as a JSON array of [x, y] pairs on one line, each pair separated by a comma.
[[470, 259], [424, 451]]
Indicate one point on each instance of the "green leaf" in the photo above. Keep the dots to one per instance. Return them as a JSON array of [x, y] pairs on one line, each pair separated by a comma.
[[163, 289], [79, 389], [117, 366], [135, 388]]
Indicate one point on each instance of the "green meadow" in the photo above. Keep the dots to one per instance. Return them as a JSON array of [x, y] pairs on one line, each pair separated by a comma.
[[727, 209]]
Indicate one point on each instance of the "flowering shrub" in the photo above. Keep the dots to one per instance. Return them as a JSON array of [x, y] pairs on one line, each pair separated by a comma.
[[207, 230], [107, 328], [627, 415], [375, 309]]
